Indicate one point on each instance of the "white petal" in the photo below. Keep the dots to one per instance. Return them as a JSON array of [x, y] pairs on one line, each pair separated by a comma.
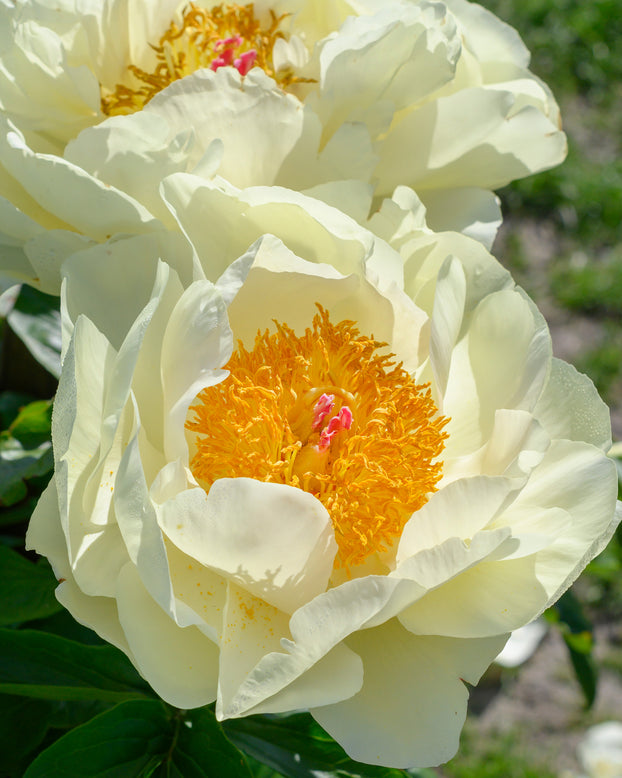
[[501, 363], [273, 540], [257, 676], [579, 479], [571, 408], [488, 598], [196, 343], [45, 533], [449, 300], [261, 123], [459, 510], [474, 212], [412, 706], [181, 664], [87, 204]]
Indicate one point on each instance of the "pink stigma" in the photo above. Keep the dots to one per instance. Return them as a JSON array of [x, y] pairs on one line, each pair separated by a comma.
[[245, 61], [226, 57], [342, 421], [321, 409]]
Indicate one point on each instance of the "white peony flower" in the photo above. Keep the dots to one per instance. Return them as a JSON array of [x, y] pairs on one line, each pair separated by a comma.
[[331, 471], [436, 96]]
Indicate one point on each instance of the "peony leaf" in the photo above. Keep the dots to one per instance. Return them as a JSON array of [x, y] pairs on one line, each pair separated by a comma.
[[143, 738], [23, 724], [297, 747], [25, 447], [26, 589], [35, 319], [576, 629], [39, 664]]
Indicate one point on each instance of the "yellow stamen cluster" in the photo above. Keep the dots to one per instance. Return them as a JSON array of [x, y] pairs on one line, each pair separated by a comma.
[[185, 48], [258, 423]]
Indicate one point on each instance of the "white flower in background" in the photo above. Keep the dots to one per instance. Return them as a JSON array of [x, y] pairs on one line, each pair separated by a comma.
[[522, 644], [600, 752], [325, 473], [436, 96]]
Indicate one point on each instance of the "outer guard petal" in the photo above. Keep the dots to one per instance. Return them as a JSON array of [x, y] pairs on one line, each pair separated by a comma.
[[412, 706]]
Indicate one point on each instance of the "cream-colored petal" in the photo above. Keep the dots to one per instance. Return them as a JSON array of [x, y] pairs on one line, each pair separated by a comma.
[[493, 147], [200, 594], [474, 212], [256, 676], [424, 254], [273, 540], [221, 225], [486, 599], [316, 651], [412, 706], [87, 204], [501, 363], [516, 445], [181, 664], [45, 532], [196, 343], [97, 613], [137, 521], [570, 407], [581, 480], [45, 535], [487, 37], [391, 58], [459, 510], [280, 286], [260, 123], [94, 280], [134, 153], [446, 323]]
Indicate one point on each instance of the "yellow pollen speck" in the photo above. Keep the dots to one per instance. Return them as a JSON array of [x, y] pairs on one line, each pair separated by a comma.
[[327, 413], [225, 35]]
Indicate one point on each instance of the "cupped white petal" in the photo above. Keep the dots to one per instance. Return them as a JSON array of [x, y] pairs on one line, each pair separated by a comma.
[[274, 541]]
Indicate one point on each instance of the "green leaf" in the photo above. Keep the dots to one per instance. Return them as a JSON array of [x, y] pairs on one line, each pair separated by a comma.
[[35, 319], [10, 405], [18, 512], [26, 588], [297, 747], [142, 739], [25, 451], [576, 629], [33, 424], [23, 724], [38, 664], [202, 750]]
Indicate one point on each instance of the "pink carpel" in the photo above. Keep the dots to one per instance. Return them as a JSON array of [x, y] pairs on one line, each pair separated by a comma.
[[321, 409], [227, 58], [342, 421]]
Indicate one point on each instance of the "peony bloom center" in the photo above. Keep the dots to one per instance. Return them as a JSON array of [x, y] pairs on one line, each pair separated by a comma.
[[227, 35], [329, 413]]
